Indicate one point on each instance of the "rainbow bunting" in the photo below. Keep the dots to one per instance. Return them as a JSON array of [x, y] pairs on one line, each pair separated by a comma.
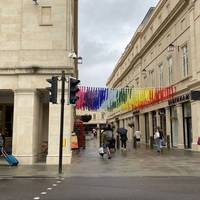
[[93, 98]]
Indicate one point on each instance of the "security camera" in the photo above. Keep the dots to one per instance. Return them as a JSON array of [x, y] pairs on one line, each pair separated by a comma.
[[36, 3], [72, 55]]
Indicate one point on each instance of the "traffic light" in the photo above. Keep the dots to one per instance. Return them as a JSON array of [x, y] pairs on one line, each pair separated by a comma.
[[53, 89], [73, 89]]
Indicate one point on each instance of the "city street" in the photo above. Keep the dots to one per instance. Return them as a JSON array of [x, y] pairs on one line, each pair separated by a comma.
[[135, 174], [102, 188]]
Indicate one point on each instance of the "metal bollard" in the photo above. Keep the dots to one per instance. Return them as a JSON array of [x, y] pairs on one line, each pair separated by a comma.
[[168, 141], [118, 142], [151, 142], [134, 142]]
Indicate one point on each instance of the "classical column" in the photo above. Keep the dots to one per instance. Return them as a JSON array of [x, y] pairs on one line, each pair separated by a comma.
[[150, 124], [180, 126], [54, 133], [157, 118], [168, 125], [26, 125], [142, 126], [195, 106]]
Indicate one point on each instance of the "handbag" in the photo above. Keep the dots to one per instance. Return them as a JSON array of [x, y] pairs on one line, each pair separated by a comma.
[[198, 141]]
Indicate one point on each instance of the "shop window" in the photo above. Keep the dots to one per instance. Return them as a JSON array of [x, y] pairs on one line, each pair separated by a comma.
[[161, 75]]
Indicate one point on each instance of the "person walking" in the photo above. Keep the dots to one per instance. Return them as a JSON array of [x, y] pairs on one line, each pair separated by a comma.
[[106, 138], [1, 143], [157, 139], [123, 137]]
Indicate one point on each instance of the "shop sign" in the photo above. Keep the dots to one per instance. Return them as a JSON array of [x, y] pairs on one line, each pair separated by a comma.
[[136, 112], [193, 95], [179, 99]]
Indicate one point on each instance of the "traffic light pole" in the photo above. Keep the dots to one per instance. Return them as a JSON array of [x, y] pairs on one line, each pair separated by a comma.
[[62, 121]]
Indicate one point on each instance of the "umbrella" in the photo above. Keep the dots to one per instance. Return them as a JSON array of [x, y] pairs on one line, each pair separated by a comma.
[[122, 131]]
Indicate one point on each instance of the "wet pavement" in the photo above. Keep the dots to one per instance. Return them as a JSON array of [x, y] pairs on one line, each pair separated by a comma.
[[140, 162]]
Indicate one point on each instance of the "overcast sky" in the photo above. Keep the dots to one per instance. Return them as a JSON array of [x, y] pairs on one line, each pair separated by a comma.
[[105, 28]]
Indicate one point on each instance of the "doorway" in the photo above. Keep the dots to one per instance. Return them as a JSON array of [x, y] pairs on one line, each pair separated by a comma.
[[187, 124], [6, 125]]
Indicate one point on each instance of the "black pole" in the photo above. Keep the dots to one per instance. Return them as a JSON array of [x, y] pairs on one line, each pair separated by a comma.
[[61, 121]]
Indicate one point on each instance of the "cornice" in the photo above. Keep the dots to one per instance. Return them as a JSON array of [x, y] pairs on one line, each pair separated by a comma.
[[154, 37], [35, 70]]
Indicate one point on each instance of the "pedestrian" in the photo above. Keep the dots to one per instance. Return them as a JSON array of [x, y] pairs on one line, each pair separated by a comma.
[[162, 139], [106, 138], [157, 138], [94, 131], [1, 143], [137, 135], [123, 137]]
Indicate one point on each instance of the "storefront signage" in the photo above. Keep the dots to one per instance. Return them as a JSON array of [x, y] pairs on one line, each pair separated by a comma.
[[179, 99], [193, 95], [136, 112]]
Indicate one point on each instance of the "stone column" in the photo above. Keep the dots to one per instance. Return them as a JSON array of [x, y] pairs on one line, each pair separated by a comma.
[[54, 133], [168, 123], [98, 130], [150, 124], [142, 126], [180, 126], [168, 126], [195, 106], [157, 118], [26, 125]]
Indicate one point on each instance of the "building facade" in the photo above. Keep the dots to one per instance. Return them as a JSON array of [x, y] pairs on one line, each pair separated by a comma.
[[164, 51], [98, 120], [35, 42]]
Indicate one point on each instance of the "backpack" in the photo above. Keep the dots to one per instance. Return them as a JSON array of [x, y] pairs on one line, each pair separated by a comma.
[[108, 135]]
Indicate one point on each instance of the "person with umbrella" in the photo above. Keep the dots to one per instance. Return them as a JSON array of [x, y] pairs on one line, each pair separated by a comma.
[[123, 137]]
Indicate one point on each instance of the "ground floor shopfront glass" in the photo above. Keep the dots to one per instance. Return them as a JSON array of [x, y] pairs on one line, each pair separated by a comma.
[[187, 123], [163, 120]]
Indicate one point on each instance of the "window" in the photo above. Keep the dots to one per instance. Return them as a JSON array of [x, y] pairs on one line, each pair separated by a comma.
[[152, 78], [161, 74], [46, 16], [137, 82], [170, 77], [94, 116], [185, 61], [102, 115]]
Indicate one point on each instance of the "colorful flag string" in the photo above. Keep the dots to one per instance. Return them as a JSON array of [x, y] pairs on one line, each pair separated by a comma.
[[94, 98]]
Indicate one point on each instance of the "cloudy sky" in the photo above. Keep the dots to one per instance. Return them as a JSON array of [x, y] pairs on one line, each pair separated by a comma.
[[105, 28]]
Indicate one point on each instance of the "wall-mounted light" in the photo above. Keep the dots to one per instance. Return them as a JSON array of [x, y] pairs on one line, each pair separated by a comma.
[[75, 57], [172, 47]]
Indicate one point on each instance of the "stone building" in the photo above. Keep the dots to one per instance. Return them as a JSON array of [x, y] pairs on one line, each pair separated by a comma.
[[98, 120], [35, 40], [164, 51]]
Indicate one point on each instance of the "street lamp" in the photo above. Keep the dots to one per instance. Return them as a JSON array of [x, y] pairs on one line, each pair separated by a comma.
[[172, 47]]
